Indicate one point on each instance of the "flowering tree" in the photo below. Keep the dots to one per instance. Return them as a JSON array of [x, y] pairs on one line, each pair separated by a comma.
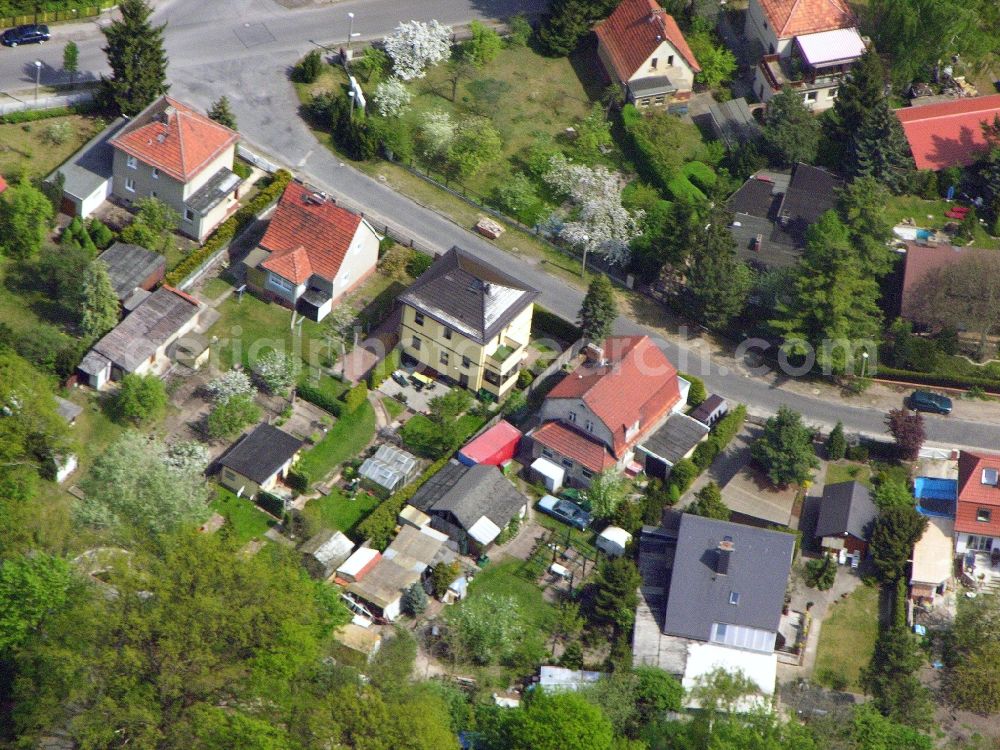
[[415, 45], [437, 131], [188, 456], [391, 97], [276, 370], [600, 223], [229, 384]]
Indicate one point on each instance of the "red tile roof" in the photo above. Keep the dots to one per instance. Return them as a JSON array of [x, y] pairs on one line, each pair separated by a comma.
[[3, 183], [949, 133], [308, 235], [635, 30], [638, 384], [574, 445], [922, 260], [791, 18], [974, 494], [176, 140]]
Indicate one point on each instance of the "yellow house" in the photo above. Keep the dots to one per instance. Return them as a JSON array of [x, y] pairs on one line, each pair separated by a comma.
[[468, 321]]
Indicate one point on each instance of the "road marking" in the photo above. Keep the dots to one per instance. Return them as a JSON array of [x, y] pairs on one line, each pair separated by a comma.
[[304, 159]]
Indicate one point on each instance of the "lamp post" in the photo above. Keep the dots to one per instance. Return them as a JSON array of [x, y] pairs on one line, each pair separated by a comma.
[[38, 77], [864, 364], [586, 247], [350, 33]]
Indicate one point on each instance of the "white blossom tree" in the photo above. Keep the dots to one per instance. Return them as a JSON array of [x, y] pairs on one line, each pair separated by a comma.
[[391, 97], [599, 222], [415, 45], [276, 370], [229, 384], [436, 132], [187, 456]]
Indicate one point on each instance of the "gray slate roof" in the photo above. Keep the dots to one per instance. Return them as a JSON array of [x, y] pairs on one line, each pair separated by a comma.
[[130, 265], [150, 326], [846, 507], [261, 453], [91, 166], [733, 122], [758, 571], [469, 296], [678, 435], [470, 492]]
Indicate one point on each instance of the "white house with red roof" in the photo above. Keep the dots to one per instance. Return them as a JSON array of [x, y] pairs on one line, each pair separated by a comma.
[[597, 416], [977, 514], [173, 153], [313, 252], [642, 49], [809, 45]]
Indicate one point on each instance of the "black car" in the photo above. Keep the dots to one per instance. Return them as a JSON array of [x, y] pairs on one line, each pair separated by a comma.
[[931, 402], [32, 33]]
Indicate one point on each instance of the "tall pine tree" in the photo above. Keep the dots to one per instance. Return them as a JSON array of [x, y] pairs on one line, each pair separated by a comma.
[[222, 113], [137, 59], [717, 280], [859, 92], [599, 309], [99, 312], [862, 207], [880, 150]]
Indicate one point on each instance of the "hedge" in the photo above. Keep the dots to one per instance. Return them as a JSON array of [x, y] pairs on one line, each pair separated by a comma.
[[320, 398], [271, 503], [697, 393], [681, 188], [383, 369], [700, 174], [33, 115], [942, 381], [356, 396], [545, 323], [380, 524], [298, 480], [232, 226], [704, 453]]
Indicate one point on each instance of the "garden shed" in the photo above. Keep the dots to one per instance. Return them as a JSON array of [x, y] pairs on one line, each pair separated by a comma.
[[494, 447]]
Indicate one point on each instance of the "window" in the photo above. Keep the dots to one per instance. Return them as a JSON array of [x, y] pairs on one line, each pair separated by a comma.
[[567, 463], [153, 194], [983, 514], [492, 378], [281, 283], [156, 173], [652, 63], [670, 59], [188, 214], [720, 632], [132, 162], [810, 96], [588, 426], [991, 477], [230, 474], [644, 102], [130, 184], [444, 358], [571, 417], [418, 318], [587, 473], [981, 543], [447, 333], [832, 93], [546, 452], [658, 100], [734, 597], [416, 343], [466, 362]]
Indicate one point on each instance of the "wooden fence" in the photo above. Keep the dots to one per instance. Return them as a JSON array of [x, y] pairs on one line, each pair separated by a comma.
[[58, 16]]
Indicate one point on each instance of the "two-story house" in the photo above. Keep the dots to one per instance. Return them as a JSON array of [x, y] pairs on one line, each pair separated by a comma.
[[468, 321], [597, 415], [977, 514], [312, 254], [643, 50], [809, 45], [173, 153]]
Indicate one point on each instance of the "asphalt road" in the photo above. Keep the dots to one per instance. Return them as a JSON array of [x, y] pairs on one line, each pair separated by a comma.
[[243, 48]]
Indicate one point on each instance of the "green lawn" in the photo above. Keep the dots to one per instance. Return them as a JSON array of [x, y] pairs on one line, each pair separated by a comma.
[[243, 519], [346, 439], [503, 579], [338, 511], [30, 146], [214, 288], [419, 432], [847, 639], [845, 472], [581, 540], [930, 215], [394, 407]]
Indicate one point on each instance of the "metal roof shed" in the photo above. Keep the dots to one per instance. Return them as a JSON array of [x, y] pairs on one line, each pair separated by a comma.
[[494, 447]]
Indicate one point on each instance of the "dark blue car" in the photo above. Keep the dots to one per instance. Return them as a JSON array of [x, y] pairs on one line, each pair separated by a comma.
[[565, 511], [32, 33], [930, 402]]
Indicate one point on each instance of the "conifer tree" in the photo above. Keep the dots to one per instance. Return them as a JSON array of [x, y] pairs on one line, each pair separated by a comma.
[[222, 113], [137, 59], [880, 150], [599, 309], [100, 303]]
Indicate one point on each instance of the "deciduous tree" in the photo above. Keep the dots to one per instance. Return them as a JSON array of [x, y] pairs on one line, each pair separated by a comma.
[[230, 417], [718, 63], [31, 588], [561, 721], [153, 226], [785, 451], [907, 429], [485, 629], [141, 398], [391, 97], [607, 490], [25, 215], [231, 383], [599, 309], [71, 61], [483, 47], [137, 59], [276, 370]]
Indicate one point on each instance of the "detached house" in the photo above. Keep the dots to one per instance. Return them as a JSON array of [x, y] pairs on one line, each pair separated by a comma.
[[808, 45], [259, 461], [313, 253], [173, 153], [643, 50], [468, 321], [846, 516], [977, 513], [597, 416]]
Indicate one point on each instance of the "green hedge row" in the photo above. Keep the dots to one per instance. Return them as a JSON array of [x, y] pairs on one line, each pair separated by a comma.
[[631, 119], [705, 452], [232, 226], [384, 369], [547, 324], [942, 381], [379, 525], [32, 115], [355, 397], [320, 398], [271, 503]]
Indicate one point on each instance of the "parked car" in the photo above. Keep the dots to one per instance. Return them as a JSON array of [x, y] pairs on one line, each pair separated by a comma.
[[565, 511], [930, 402], [400, 377], [32, 33]]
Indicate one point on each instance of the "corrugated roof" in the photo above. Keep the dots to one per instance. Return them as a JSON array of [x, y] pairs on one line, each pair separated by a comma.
[[261, 453], [308, 234], [831, 47], [676, 438], [130, 265], [634, 31], [791, 18], [948, 133]]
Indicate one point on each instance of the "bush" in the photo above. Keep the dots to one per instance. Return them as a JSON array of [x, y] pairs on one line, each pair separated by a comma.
[[683, 474], [232, 226], [704, 454], [383, 369], [525, 378], [242, 169], [307, 70], [700, 174], [857, 453], [697, 394], [355, 397], [271, 503], [519, 31], [298, 480], [545, 324], [32, 115], [820, 574], [728, 427]]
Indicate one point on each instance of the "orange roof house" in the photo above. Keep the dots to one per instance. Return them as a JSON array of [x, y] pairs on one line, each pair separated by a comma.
[[642, 48], [978, 509], [948, 134], [597, 414], [313, 251], [792, 18]]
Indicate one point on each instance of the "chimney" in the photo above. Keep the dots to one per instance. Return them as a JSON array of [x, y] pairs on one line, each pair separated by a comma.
[[723, 554], [758, 241]]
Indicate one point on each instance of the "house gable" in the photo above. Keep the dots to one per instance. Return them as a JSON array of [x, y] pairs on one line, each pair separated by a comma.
[[978, 508], [634, 33]]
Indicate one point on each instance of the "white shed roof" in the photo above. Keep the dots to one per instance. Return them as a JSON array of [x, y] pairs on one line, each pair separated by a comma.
[[933, 557], [356, 562], [705, 658], [549, 469], [484, 530], [831, 47], [617, 535]]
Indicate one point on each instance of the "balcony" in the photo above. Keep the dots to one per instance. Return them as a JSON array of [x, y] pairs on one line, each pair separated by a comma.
[[791, 71], [506, 356]]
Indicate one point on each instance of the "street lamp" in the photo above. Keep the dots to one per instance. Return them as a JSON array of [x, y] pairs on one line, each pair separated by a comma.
[[864, 364], [38, 76], [350, 33]]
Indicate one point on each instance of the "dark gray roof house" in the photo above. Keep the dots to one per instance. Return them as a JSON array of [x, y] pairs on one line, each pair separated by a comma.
[[132, 267], [470, 502], [728, 583], [771, 216], [262, 453], [468, 295], [846, 508], [676, 439]]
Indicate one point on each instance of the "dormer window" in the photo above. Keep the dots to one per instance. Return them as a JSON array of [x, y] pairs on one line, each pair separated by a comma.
[[983, 515], [991, 477], [571, 417]]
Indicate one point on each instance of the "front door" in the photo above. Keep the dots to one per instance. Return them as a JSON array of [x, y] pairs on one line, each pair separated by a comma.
[[463, 380]]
